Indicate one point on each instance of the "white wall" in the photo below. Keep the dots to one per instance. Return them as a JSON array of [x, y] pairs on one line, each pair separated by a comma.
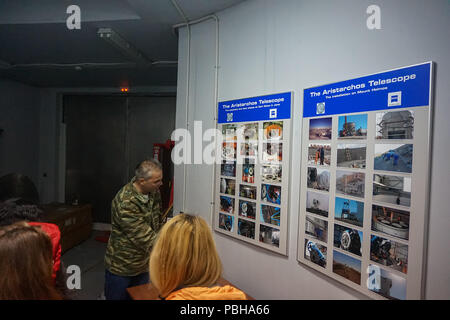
[[202, 78], [19, 118], [276, 46]]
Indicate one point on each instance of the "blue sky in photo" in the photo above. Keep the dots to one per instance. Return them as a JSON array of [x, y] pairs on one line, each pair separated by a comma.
[[360, 121], [320, 123], [354, 206], [347, 260]]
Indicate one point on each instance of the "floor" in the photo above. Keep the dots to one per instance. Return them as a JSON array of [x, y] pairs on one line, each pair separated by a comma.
[[89, 257]]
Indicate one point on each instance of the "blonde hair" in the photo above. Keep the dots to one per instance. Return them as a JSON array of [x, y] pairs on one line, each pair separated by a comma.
[[184, 256]]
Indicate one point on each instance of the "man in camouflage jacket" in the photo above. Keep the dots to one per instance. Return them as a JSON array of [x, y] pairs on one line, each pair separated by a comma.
[[135, 220]]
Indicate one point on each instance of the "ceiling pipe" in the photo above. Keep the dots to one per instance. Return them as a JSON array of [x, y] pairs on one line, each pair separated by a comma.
[[80, 66], [71, 65], [211, 16], [165, 63]]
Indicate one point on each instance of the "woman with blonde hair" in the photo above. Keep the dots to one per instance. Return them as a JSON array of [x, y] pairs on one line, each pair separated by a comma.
[[26, 263], [185, 265]]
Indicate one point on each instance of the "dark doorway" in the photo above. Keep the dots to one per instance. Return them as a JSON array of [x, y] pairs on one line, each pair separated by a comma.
[[106, 136]]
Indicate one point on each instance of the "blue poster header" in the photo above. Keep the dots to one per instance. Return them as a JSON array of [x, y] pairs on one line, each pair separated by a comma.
[[270, 107], [401, 88]]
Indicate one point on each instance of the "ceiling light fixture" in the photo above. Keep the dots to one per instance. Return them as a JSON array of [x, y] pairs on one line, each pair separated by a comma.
[[122, 45]]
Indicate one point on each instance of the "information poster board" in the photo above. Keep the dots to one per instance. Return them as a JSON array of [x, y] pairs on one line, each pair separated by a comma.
[[365, 167], [252, 180]]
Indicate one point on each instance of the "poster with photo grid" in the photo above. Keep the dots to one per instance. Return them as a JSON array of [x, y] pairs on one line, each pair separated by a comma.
[[252, 180], [364, 189]]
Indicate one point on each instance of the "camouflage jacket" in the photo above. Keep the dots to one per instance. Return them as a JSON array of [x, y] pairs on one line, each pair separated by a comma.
[[135, 221]]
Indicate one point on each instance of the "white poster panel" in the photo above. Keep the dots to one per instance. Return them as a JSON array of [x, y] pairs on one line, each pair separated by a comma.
[[252, 178], [365, 167]]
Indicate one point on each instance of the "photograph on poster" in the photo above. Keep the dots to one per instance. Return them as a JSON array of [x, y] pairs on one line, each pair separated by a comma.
[[270, 214], [229, 150], [351, 156], [227, 204], [228, 186], [317, 203], [269, 235], [316, 253], [228, 169], [385, 283], [246, 228], [349, 211], [248, 171], [272, 152], [249, 131], [395, 125], [347, 267], [392, 189], [247, 209], [352, 126], [273, 130], [271, 193], [318, 179], [226, 222], [249, 149], [271, 173], [320, 129], [316, 228], [389, 253], [393, 222], [350, 183], [247, 192], [393, 157], [229, 132], [348, 239], [319, 154]]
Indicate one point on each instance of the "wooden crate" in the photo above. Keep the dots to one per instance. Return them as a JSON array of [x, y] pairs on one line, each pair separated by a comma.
[[74, 222]]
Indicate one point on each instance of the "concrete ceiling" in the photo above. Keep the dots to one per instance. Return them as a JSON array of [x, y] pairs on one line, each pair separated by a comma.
[[38, 49]]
